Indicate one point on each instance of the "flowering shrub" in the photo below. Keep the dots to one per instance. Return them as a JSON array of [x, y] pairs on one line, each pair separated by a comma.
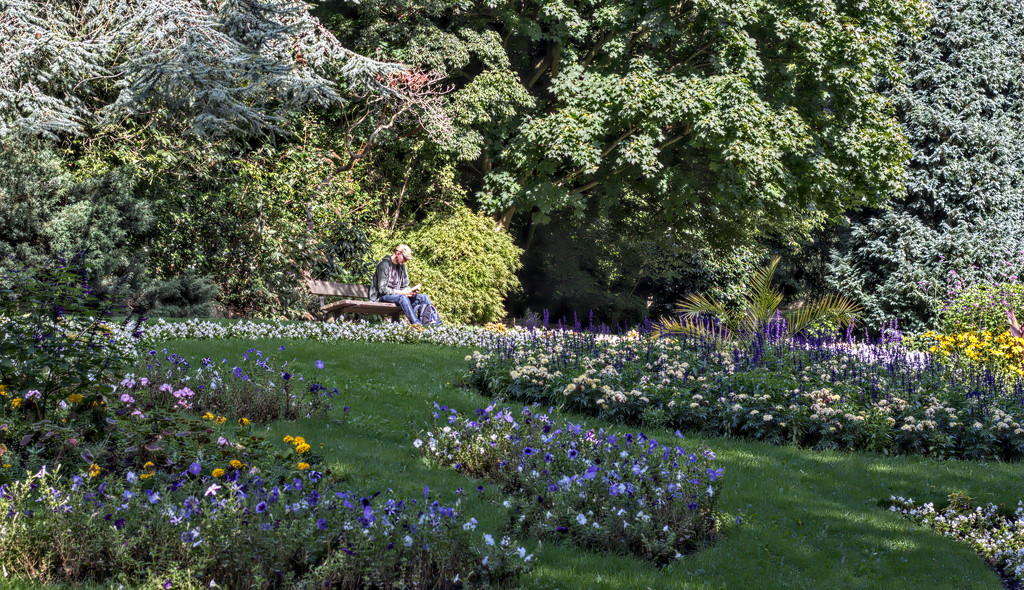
[[167, 409], [996, 536], [982, 306], [254, 387], [242, 528], [819, 393], [625, 493], [1002, 352]]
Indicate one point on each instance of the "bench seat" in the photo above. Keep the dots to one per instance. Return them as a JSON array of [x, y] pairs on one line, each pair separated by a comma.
[[332, 311]]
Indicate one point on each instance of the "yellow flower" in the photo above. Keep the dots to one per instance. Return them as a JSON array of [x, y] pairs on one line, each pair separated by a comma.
[[221, 419], [149, 466], [303, 466], [288, 439], [237, 464], [3, 390], [145, 475], [94, 470], [243, 421], [302, 448], [16, 402], [218, 472], [208, 416], [75, 398], [299, 441]]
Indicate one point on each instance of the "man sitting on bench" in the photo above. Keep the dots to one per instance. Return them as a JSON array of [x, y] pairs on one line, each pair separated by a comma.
[[391, 283]]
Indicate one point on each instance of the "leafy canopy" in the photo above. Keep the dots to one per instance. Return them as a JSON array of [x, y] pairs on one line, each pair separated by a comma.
[[728, 117]]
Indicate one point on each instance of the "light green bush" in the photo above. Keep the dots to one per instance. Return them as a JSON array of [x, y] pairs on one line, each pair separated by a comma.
[[982, 307], [466, 266]]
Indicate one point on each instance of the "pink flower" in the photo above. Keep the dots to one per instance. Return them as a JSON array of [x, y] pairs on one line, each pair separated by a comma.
[[165, 387], [222, 441], [127, 398], [34, 394], [144, 382]]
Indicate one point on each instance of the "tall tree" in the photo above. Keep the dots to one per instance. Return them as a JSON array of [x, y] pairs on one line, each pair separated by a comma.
[[217, 68], [728, 117], [962, 110]]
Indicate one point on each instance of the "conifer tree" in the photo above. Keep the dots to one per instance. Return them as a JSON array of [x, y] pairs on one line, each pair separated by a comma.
[[962, 110], [217, 68]]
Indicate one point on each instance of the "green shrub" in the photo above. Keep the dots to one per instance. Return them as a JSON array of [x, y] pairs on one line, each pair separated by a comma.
[[465, 265], [186, 296], [981, 308], [46, 213]]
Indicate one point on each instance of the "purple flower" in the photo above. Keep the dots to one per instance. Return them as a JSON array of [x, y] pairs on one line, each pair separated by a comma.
[[119, 524], [261, 508], [321, 524], [320, 364], [195, 469], [168, 585], [528, 451]]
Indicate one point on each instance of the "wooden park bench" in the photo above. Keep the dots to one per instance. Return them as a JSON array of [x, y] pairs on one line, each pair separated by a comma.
[[356, 301]]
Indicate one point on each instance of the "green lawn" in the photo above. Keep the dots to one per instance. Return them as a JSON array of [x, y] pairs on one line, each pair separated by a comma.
[[810, 519]]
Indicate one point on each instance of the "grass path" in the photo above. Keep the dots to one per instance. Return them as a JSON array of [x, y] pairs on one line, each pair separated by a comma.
[[811, 519]]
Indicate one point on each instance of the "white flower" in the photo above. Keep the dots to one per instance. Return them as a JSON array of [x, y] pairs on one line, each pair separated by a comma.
[[407, 541], [489, 540], [417, 443], [581, 519]]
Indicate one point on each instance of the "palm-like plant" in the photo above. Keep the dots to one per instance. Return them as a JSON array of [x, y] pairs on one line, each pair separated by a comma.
[[759, 308]]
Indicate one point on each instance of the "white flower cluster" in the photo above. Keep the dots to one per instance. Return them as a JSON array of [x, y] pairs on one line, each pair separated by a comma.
[[998, 538], [360, 330]]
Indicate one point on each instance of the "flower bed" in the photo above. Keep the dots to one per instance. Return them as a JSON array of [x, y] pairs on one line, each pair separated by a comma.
[[627, 493], [241, 528], [163, 413], [995, 535], [820, 393], [361, 330]]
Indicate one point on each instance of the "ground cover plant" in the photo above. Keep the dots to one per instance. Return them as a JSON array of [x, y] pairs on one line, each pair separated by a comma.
[[818, 392], [626, 493], [990, 530]]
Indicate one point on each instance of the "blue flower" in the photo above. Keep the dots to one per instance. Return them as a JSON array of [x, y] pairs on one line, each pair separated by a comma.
[[261, 508], [321, 524], [528, 451], [319, 364], [195, 469]]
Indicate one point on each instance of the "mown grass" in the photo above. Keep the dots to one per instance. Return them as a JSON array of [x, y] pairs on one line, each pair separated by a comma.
[[810, 519]]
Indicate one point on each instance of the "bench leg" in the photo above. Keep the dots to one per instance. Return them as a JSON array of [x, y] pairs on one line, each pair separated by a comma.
[[397, 317]]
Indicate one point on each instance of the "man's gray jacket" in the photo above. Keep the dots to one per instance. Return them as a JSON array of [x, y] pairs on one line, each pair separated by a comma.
[[379, 284]]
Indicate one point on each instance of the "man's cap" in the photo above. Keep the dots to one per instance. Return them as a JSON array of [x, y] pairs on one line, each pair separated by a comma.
[[405, 250]]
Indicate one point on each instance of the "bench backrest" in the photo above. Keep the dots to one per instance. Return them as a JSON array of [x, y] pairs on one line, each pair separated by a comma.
[[338, 289]]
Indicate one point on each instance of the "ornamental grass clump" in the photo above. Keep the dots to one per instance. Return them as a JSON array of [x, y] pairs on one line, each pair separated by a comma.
[[626, 493], [241, 529], [995, 534]]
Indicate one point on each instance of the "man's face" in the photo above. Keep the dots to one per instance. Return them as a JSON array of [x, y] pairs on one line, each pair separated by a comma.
[[400, 258]]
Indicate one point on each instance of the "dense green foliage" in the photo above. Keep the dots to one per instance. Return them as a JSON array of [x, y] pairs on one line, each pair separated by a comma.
[[962, 110], [466, 267], [47, 214], [700, 108]]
